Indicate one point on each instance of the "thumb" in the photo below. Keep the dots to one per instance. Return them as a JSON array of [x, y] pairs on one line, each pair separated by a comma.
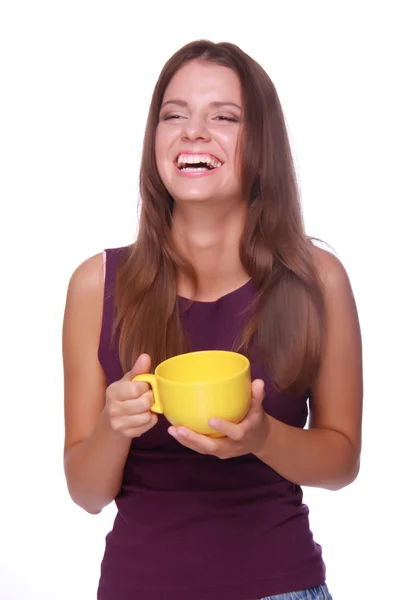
[[257, 393], [142, 365]]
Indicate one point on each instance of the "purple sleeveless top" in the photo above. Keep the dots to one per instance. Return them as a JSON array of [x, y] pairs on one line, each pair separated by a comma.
[[194, 527]]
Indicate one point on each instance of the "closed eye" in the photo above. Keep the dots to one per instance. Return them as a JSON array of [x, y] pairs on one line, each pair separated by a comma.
[[170, 117], [222, 118], [229, 119]]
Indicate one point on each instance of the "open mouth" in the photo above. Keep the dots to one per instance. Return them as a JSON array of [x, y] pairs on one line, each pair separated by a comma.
[[197, 163]]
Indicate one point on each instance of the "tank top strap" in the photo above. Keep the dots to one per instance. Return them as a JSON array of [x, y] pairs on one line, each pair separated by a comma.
[[108, 347]]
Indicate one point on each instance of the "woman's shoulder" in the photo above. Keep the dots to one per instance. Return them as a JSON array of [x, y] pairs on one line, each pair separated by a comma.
[[86, 284], [332, 274], [331, 270], [89, 275]]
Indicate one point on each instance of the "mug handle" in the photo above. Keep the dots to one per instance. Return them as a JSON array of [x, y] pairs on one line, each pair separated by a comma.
[[152, 381]]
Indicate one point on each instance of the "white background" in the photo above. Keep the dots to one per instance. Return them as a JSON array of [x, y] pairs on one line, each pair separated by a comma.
[[76, 79]]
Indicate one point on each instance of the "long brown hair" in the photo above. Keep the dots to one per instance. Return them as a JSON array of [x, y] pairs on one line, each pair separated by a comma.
[[289, 316]]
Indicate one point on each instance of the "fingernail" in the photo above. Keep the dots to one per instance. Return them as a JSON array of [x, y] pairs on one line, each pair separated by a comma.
[[213, 422]]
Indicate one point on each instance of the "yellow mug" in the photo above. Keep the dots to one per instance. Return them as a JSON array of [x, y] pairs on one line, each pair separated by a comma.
[[191, 388]]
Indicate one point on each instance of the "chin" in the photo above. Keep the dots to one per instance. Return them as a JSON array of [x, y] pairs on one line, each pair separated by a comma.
[[183, 194], [193, 198]]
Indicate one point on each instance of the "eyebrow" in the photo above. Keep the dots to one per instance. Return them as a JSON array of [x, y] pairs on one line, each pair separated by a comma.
[[214, 104]]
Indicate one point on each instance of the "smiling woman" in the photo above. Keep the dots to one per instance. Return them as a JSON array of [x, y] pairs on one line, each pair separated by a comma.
[[204, 121], [221, 262]]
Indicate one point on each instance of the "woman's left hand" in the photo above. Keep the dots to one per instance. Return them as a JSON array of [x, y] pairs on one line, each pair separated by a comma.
[[246, 437]]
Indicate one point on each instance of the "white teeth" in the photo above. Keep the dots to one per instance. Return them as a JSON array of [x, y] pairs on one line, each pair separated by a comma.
[[189, 159], [194, 170]]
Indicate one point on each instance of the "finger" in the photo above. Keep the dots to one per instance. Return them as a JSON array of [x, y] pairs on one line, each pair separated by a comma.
[[130, 390], [234, 431], [195, 441], [142, 365], [138, 405], [135, 432], [133, 422], [257, 393]]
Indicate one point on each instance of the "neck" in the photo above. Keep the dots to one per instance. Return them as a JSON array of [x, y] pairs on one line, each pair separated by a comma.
[[209, 238]]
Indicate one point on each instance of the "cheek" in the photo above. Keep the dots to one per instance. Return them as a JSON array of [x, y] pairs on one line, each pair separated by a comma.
[[161, 156], [158, 149], [228, 140], [162, 147]]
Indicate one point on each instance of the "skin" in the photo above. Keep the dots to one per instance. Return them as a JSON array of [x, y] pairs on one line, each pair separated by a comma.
[[209, 211], [209, 215]]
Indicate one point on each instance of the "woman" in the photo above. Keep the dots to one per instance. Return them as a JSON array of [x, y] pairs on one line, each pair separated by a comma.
[[221, 262]]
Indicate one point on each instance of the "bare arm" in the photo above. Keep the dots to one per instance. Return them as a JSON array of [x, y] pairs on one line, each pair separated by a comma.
[[94, 454], [327, 454]]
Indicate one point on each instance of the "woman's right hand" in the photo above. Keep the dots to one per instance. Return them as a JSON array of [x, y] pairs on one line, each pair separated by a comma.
[[128, 402]]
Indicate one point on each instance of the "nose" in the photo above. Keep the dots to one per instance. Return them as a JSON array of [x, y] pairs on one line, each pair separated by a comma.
[[195, 128]]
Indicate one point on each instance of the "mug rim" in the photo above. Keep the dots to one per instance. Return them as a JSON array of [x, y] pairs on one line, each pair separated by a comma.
[[178, 356]]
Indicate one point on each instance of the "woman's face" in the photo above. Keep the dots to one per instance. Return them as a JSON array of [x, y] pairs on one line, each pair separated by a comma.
[[198, 131]]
